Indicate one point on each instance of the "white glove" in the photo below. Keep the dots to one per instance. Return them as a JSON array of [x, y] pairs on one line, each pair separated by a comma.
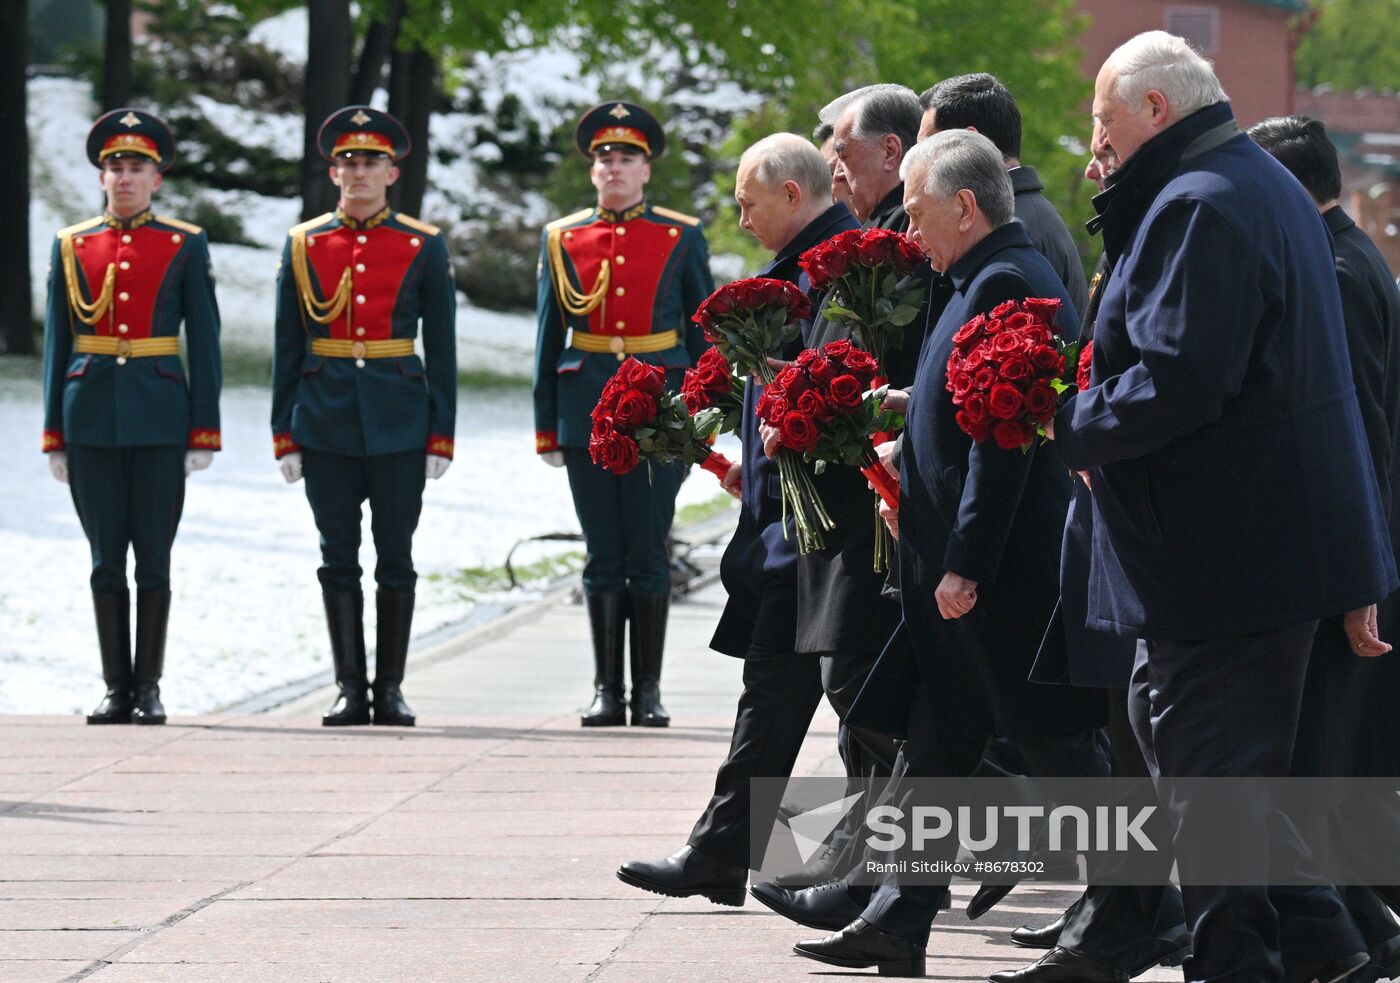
[[58, 466], [437, 466], [197, 461], [555, 459], [291, 466]]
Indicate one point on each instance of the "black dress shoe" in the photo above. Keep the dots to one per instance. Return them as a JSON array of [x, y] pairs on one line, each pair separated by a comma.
[[861, 945], [1045, 937], [986, 898], [1062, 966], [826, 907], [1385, 959], [687, 873], [1335, 970]]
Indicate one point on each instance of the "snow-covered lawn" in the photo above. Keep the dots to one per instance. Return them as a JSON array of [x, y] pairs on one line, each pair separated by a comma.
[[247, 610]]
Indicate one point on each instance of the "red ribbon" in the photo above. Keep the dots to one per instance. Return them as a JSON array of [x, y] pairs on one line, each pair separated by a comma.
[[717, 464], [885, 483]]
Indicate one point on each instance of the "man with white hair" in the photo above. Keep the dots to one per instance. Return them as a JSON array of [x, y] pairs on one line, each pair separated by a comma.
[[1234, 499], [783, 188], [980, 528]]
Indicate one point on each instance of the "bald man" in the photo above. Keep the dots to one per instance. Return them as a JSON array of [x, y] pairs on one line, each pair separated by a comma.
[[783, 188]]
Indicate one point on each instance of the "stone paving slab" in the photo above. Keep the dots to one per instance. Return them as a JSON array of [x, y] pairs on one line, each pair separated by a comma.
[[481, 845]]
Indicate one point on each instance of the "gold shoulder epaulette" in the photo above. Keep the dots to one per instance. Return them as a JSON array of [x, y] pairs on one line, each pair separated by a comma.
[[413, 223], [80, 227], [311, 223], [188, 227], [677, 216], [559, 223]]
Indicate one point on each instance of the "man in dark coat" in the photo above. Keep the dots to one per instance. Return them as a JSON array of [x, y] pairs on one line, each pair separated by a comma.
[[1111, 930], [1219, 365], [979, 529], [1363, 739], [783, 189], [980, 102], [843, 617]]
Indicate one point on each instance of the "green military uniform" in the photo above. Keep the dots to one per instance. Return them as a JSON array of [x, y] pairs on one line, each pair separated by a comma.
[[123, 409], [352, 397], [613, 285]]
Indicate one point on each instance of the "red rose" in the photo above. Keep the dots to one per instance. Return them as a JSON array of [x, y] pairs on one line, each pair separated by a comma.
[[1019, 321], [1040, 402], [860, 362], [978, 430], [634, 409], [970, 332], [1016, 368], [805, 357], [1004, 309], [771, 406], [1086, 365], [814, 405], [871, 249], [1010, 435], [838, 350], [846, 391], [650, 379], [960, 384], [721, 302], [908, 257], [975, 406], [1045, 309], [984, 378], [1006, 343], [822, 370], [1005, 401], [798, 432], [1047, 360], [612, 451]]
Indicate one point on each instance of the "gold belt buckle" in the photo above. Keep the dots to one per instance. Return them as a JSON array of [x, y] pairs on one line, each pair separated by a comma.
[[357, 351], [618, 344], [123, 351]]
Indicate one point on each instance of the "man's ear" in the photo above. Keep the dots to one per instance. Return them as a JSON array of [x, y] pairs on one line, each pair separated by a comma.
[[794, 192], [160, 179], [967, 209], [335, 175], [393, 175], [894, 151]]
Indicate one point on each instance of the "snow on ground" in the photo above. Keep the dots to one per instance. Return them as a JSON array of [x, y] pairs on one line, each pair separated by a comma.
[[247, 611]]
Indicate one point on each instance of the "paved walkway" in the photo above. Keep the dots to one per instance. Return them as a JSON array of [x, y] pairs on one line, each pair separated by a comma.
[[479, 846]]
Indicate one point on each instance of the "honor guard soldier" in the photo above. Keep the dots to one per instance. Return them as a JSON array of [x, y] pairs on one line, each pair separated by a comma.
[[124, 422], [354, 409], [621, 279]]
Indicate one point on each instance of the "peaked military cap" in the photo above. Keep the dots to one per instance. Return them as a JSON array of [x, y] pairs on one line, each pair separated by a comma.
[[362, 130], [616, 125], [131, 132]]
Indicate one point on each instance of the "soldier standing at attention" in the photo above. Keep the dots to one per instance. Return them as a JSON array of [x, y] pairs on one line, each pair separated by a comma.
[[354, 409], [123, 426], [623, 278]]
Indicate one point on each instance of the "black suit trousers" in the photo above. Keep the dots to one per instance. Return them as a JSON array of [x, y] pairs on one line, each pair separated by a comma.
[[781, 692], [1228, 708]]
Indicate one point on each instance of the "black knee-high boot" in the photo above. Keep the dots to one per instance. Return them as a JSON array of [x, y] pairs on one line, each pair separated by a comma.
[[395, 610], [606, 621], [648, 640], [152, 619], [345, 617], [113, 611]]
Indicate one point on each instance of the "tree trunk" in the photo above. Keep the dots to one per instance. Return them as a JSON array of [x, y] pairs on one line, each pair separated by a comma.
[[16, 316], [328, 44], [374, 54], [412, 92], [116, 56]]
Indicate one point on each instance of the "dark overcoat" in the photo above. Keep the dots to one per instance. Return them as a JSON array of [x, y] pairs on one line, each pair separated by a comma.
[[759, 566], [1233, 487], [993, 515], [840, 596]]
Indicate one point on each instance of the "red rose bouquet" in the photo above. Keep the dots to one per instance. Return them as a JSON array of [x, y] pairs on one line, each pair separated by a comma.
[[865, 268], [823, 407], [1008, 370], [637, 419], [1086, 362], [710, 384], [748, 322]]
